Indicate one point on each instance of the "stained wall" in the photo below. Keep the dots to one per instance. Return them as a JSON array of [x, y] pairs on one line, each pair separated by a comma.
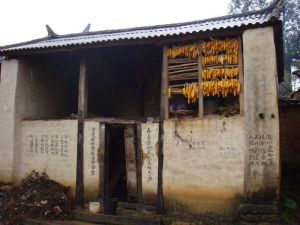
[[204, 164]]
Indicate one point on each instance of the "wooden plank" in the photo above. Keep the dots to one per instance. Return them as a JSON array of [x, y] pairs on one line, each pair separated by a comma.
[[82, 112], [114, 219], [140, 206], [131, 171], [190, 69], [101, 154], [182, 65], [164, 100], [55, 222], [241, 75], [111, 120], [200, 94], [181, 60], [106, 165], [138, 135]]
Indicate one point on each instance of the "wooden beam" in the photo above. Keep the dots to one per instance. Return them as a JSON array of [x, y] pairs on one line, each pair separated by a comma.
[[106, 164], [164, 114], [138, 135], [140, 206], [114, 219], [200, 94], [241, 75], [164, 100], [82, 112], [131, 162], [101, 158]]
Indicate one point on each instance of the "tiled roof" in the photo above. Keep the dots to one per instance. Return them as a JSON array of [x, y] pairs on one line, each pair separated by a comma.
[[272, 13]]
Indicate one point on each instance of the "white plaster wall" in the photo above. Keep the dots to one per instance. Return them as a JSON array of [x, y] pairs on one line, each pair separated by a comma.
[[91, 161], [149, 145], [37, 96], [9, 75], [203, 164], [27, 91], [262, 133], [50, 146]]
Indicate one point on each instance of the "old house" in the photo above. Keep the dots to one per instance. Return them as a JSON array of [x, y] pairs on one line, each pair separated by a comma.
[[181, 116]]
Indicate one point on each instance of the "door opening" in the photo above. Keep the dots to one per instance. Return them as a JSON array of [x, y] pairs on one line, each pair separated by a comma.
[[116, 164], [120, 163]]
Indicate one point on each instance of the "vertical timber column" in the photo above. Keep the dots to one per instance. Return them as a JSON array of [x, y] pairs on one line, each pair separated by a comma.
[[164, 114], [200, 93], [82, 112], [261, 120]]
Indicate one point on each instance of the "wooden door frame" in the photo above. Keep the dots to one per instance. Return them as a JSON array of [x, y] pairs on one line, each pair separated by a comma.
[[104, 158]]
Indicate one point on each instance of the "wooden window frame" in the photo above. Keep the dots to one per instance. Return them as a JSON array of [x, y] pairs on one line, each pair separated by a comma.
[[165, 81]]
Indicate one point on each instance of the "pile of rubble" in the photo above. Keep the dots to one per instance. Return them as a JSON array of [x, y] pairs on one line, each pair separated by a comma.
[[36, 196]]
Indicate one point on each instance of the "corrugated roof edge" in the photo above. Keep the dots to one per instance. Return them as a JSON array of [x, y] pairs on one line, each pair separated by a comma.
[[275, 8]]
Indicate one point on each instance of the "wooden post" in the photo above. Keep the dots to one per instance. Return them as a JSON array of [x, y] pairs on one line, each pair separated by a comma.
[[164, 114], [131, 162], [82, 112], [106, 164], [200, 93], [164, 100], [101, 158], [138, 134], [241, 75]]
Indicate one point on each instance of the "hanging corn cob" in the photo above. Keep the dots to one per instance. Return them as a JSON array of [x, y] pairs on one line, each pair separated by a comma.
[[230, 46], [221, 88], [219, 73], [219, 60], [185, 51], [190, 91]]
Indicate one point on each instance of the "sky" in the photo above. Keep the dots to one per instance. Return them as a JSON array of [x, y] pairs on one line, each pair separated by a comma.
[[24, 20]]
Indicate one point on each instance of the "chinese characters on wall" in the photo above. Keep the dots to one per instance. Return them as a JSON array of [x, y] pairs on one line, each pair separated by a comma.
[[93, 151], [149, 149], [228, 150], [261, 153], [45, 144]]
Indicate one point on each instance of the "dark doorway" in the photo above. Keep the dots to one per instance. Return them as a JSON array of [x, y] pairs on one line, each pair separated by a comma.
[[116, 179]]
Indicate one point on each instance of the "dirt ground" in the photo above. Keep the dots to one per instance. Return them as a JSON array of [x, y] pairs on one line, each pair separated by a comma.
[[25, 202]]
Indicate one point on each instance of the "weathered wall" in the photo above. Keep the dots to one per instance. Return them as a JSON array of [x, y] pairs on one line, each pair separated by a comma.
[[91, 160], [149, 145], [52, 146], [261, 117], [37, 96], [49, 146], [8, 84], [203, 164], [213, 164], [29, 89], [290, 135]]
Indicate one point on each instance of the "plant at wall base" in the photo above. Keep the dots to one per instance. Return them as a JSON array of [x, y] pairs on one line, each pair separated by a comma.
[[287, 204]]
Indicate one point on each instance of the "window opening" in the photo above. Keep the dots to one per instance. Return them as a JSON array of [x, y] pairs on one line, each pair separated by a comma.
[[220, 76], [183, 80]]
